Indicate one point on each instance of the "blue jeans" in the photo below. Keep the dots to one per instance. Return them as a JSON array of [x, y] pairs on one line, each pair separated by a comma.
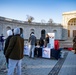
[[14, 64], [32, 48]]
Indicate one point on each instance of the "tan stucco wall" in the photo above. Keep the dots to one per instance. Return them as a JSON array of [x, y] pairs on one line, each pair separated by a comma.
[[66, 17]]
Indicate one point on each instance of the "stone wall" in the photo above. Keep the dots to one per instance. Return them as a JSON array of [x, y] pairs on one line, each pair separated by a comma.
[[6, 24]]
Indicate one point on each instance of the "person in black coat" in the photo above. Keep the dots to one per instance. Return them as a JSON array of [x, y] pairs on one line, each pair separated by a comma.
[[10, 34], [41, 42], [47, 40], [74, 44], [2, 41]]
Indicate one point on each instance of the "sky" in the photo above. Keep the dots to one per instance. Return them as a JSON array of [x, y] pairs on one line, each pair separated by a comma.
[[39, 9]]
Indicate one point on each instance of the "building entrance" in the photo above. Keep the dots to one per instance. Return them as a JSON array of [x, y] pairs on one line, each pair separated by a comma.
[[72, 28]]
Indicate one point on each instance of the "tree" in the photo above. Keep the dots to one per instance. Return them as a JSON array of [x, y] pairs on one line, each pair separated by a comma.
[[42, 21], [29, 18], [50, 21]]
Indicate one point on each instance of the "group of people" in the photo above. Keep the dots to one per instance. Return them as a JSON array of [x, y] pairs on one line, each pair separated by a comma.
[[37, 43], [14, 48], [13, 51]]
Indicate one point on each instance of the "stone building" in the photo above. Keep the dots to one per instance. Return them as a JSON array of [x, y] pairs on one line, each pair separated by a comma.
[[69, 24], [40, 29], [62, 31]]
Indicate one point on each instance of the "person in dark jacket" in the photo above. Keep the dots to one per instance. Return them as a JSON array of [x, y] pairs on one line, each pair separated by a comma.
[[41, 42], [15, 52], [47, 40], [32, 41], [9, 33], [74, 44], [2, 41]]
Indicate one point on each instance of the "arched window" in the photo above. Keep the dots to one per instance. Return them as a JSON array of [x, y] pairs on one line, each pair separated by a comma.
[[72, 21], [21, 31], [54, 30], [8, 27], [43, 34], [32, 30]]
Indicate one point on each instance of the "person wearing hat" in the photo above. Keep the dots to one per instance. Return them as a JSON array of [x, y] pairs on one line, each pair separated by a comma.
[[15, 52], [10, 34]]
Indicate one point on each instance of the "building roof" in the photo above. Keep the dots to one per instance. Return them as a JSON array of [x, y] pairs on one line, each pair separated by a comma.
[[25, 22], [71, 12]]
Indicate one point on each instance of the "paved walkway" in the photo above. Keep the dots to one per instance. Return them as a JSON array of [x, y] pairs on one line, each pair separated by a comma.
[[41, 66], [69, 66]]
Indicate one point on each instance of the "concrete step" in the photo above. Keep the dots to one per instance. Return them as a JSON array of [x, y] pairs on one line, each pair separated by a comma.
[[67, 43]]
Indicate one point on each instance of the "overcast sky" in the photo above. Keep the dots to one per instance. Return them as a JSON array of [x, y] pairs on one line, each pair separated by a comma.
[[39, 9]]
